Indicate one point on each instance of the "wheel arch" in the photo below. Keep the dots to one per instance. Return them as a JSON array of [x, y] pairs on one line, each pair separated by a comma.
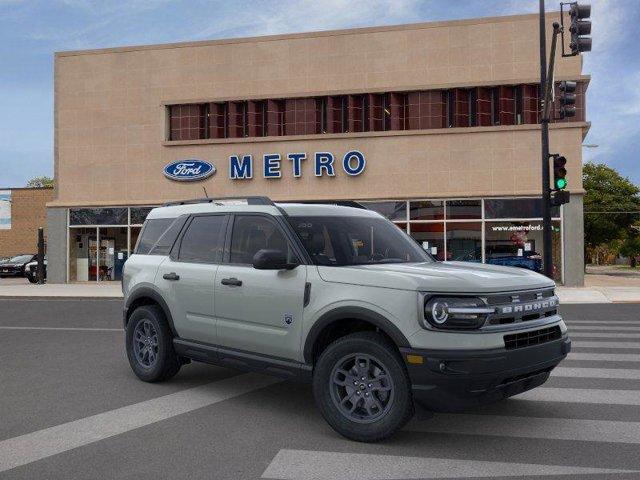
[[147, 296], [330, 320]]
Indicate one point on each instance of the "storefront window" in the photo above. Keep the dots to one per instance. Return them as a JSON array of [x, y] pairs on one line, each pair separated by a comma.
[[401, 225], [98, 216], [426, 210], [431, 237], [519, 244], [464, 241], [464, 209], [390, 210], [515, 208], [139, 214]]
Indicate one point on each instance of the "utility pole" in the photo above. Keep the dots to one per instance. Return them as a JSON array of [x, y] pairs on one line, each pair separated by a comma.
[[547, 257], [580, 27]]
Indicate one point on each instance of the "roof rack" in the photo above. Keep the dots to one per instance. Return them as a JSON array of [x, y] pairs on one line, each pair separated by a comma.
[[253, 200], [340, 203]]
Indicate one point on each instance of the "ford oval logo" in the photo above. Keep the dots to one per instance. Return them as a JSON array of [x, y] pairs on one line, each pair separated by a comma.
[[189, 170]]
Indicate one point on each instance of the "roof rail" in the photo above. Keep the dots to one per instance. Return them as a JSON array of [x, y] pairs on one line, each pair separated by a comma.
[[252, 200], [340, 203]]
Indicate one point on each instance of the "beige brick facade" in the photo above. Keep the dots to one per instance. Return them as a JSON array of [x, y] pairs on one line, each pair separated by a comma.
[[28, 212], [112, 126]]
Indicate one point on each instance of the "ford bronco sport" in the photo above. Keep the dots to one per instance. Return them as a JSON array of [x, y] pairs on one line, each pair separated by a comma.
[[340, 297]]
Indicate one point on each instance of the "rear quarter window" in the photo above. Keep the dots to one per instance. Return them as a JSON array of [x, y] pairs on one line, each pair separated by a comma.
[[151, 232]]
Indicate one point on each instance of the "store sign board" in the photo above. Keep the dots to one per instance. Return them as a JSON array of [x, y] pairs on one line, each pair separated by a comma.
[[241, 167], [189, 170], [5, 209]]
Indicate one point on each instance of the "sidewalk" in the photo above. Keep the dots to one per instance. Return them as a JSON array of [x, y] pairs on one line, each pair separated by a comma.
[[597, 293], [69, 290]]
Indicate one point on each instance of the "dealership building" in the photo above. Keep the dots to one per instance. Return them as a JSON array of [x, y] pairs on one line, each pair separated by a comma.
[[434, 125]]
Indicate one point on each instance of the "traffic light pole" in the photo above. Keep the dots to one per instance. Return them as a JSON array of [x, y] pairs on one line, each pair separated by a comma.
[[547, 258]]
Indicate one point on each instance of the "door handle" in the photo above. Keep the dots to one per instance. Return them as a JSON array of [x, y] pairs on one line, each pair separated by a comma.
[[232, 282], [171, 276]]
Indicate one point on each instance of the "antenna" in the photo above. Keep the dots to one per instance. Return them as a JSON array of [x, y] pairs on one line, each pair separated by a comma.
[[205, 192]]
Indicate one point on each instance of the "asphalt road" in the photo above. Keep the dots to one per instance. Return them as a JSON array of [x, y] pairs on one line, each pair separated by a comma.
[[70, 408]]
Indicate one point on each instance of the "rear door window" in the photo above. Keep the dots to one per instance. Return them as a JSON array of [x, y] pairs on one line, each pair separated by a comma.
[[203, 241]]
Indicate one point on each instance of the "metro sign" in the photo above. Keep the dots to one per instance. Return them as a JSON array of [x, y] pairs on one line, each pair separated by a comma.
[[241, 167]]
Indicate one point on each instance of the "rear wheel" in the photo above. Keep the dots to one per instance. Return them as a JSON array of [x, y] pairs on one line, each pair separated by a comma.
[[362, 388], [150, 345]]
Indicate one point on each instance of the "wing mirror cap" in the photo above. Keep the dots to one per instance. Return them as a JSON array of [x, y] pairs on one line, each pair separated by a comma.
[[267, 259]]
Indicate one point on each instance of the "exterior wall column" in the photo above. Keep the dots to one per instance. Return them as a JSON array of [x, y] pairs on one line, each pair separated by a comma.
[[57, 245], [573, 244]]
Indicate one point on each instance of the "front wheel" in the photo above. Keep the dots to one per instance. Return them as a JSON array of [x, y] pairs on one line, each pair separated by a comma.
[[150, 345], [362, 387], [32, 278]]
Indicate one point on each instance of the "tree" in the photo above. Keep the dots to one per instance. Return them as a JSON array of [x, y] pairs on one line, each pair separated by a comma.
[[40, 182], [611, 205], [631, 245]]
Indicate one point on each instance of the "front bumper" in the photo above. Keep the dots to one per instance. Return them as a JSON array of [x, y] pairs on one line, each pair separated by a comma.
[[454, 380]]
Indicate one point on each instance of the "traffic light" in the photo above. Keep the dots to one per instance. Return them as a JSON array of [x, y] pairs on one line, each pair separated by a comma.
[[567, 98], [559, 172], [580, 27], [559, 198]]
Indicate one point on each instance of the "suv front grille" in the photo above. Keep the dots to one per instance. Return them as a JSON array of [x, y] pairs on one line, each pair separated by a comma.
[[522, 306], [535, 337]]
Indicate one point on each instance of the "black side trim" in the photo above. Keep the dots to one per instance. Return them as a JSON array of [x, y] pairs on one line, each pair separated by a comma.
[[146, 292], [357, 313], [241, 360]]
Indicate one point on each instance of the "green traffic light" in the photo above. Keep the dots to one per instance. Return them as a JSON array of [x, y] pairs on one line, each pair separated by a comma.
[[561, 183]]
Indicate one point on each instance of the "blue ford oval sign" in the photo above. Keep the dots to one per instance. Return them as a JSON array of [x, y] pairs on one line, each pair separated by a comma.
[[189, 170]]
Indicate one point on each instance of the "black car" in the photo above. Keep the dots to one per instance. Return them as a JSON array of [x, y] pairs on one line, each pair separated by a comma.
[[14, 267]]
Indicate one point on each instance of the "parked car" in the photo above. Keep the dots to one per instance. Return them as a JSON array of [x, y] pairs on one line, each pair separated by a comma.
[[529, 260], [31, 270], [14, 267], [339, 297]]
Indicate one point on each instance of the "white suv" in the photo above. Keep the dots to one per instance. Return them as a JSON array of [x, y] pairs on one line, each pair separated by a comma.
[[338, 296]]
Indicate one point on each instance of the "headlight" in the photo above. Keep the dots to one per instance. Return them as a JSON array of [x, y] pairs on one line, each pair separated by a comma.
[[455, 312]]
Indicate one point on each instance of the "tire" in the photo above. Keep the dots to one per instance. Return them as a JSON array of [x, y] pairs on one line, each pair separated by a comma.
[[333, 385], [31, 279], [160, 362]]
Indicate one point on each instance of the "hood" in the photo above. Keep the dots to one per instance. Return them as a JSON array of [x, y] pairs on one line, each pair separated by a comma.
[[454, 277]]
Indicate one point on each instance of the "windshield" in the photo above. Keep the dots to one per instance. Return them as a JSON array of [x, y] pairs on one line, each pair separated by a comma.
[[351, 240], [20, 258]]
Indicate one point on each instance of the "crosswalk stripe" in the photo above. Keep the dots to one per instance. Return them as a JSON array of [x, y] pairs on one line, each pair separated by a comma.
[[615, 373], [319, 465], [604, 357], [602, 328], [611, 335], [582, 395], [532, 427], [34, 446], [603, 344]]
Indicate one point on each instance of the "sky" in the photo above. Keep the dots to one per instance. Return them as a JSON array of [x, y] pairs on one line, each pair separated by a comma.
[[31, 30]]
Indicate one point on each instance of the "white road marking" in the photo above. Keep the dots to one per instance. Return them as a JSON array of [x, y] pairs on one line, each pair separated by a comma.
[[581, 395], [532, 427], [34, 446], [610, 335], [64, 329], [318, 465], [616, 373], [604, 344], [601, 328], [605, 357]]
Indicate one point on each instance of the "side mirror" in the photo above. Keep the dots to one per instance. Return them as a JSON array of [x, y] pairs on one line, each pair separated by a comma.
[[272, 260]]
